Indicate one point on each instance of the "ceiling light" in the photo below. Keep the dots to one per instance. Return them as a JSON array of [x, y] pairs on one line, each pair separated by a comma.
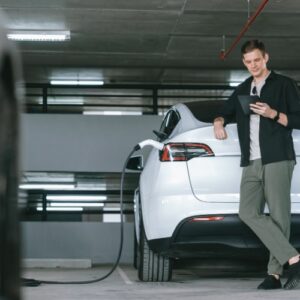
[[39, 36], [30, 186], [76, 198], [112, 113], [76, 82], [60, 209], [68, 100], [234, 84], [80, 204]]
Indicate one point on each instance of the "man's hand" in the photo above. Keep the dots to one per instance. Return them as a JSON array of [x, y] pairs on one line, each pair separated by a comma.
[[263, 109], [219, 130]]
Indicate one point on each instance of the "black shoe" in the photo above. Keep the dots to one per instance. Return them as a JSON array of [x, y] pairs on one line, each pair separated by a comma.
[[294, 276], [270, 283]]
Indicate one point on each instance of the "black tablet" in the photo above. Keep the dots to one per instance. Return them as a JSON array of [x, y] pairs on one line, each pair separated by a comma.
[[246, 100]]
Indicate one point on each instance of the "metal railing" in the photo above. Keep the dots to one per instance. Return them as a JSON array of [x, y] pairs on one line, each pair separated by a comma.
[[138, 99]]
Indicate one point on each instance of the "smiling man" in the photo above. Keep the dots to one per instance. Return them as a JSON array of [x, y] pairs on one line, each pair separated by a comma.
[[267, 158]]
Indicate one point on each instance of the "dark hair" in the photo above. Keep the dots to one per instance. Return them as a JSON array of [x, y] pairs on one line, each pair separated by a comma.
[[252, 45]]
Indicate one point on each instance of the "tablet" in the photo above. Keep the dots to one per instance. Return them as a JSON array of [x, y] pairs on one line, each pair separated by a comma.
[[246, 100]]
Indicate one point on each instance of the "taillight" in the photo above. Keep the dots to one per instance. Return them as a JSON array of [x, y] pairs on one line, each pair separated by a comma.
[[184, 151]]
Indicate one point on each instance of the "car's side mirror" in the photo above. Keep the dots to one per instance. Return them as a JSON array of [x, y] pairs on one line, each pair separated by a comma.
[[161, 135], [135, 163]]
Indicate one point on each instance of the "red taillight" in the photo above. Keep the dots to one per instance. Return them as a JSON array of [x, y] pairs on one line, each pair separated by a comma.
[[208, 218], [184, 151]]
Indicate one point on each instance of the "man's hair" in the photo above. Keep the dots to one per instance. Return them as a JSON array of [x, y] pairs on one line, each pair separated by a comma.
[[252, 45]]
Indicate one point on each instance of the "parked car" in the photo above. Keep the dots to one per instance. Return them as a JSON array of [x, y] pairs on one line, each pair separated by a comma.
[[186, 205]]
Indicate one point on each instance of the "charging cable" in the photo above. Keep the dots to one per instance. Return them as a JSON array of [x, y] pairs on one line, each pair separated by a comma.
[[35, 282]]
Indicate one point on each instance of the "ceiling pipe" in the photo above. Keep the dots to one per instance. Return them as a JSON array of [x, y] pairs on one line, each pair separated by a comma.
[[223, 53]]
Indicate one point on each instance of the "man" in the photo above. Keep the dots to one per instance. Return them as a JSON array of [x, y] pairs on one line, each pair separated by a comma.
[[267, 158]]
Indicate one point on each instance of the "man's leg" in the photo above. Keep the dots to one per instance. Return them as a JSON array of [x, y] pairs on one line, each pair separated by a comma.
[[252, 197], [277, 187], [252, 203], [263, 226]]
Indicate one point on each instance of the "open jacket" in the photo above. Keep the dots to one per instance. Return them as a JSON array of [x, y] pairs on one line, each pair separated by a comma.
[[276, 143]]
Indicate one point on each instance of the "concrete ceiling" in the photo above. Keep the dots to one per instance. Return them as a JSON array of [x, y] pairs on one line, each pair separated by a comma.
[[152, 41]]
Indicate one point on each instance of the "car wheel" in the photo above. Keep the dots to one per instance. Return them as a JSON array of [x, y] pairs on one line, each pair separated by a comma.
[[152, 267]]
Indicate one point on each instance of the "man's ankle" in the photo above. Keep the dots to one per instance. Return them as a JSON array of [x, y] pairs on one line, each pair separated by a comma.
[[294, 260], [276, 276]]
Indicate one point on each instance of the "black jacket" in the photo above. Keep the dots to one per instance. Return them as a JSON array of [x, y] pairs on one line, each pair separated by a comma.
[[276, 142]]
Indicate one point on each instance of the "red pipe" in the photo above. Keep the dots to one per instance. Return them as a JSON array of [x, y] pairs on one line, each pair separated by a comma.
[[224, 54]]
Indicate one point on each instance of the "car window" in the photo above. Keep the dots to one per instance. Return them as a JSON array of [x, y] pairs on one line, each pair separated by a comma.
[[205, 111], [169, 123]]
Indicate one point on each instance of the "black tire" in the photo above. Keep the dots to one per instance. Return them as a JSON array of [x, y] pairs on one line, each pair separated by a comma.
[[152, 267]]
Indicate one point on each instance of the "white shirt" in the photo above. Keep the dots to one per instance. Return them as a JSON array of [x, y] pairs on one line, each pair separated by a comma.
[[254, 123]]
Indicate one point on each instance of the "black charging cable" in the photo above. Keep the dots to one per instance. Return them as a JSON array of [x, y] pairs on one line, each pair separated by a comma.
[[35, 282]]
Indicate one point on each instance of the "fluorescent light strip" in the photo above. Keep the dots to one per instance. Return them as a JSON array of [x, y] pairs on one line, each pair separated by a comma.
[[113, 113], [80, 204], [39, 36], [47, 186], [76, 82], [60, 209], [234, 84], [59, 100], [75, 198]]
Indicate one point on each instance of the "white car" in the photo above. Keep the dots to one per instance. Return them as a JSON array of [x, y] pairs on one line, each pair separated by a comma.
[[187, 201]]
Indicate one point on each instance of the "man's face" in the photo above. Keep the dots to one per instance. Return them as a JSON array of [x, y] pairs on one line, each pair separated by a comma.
[[256, 63]]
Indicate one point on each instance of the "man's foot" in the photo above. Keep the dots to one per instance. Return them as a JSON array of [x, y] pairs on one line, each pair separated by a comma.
[[294, 276], [270, 283]]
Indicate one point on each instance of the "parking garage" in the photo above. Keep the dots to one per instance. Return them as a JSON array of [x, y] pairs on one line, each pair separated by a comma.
[[86, 100]]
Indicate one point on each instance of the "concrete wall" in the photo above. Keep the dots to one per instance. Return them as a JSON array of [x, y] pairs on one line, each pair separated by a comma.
[[77, 143], [76, 240]]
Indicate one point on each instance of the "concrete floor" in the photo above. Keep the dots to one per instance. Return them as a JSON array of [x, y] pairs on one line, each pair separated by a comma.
[[223, 280]]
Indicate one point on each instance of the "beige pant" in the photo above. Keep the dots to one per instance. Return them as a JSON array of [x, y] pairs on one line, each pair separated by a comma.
[[269, 184]]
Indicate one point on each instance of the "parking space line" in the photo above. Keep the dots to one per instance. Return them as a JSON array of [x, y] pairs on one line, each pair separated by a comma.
[[124, 276]]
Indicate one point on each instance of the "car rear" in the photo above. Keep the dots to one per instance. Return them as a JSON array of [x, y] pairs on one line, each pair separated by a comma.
[[195, 196]]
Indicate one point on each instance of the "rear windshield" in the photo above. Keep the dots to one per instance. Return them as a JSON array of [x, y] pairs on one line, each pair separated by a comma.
[[205, 111]]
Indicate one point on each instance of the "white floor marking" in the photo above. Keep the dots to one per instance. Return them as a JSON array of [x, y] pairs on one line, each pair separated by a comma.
[[124, 276]]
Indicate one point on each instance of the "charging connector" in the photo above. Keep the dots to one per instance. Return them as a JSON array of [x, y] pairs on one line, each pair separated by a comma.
[[149, 142]]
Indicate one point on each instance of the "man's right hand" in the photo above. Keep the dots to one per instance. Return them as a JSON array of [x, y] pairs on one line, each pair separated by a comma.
[[219, 130]]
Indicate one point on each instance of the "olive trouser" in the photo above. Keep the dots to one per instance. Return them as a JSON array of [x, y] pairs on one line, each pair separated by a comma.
[[269, 184]]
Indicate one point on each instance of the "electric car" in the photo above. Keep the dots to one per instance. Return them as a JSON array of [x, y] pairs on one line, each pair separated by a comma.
[[186, 205]]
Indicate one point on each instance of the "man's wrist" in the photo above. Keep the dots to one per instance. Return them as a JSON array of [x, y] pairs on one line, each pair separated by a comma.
[[273, 114], [276, 116], [219, 121]]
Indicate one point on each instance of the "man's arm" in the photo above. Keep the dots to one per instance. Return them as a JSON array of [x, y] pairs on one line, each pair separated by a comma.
[[219, 130], [226, 115]]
